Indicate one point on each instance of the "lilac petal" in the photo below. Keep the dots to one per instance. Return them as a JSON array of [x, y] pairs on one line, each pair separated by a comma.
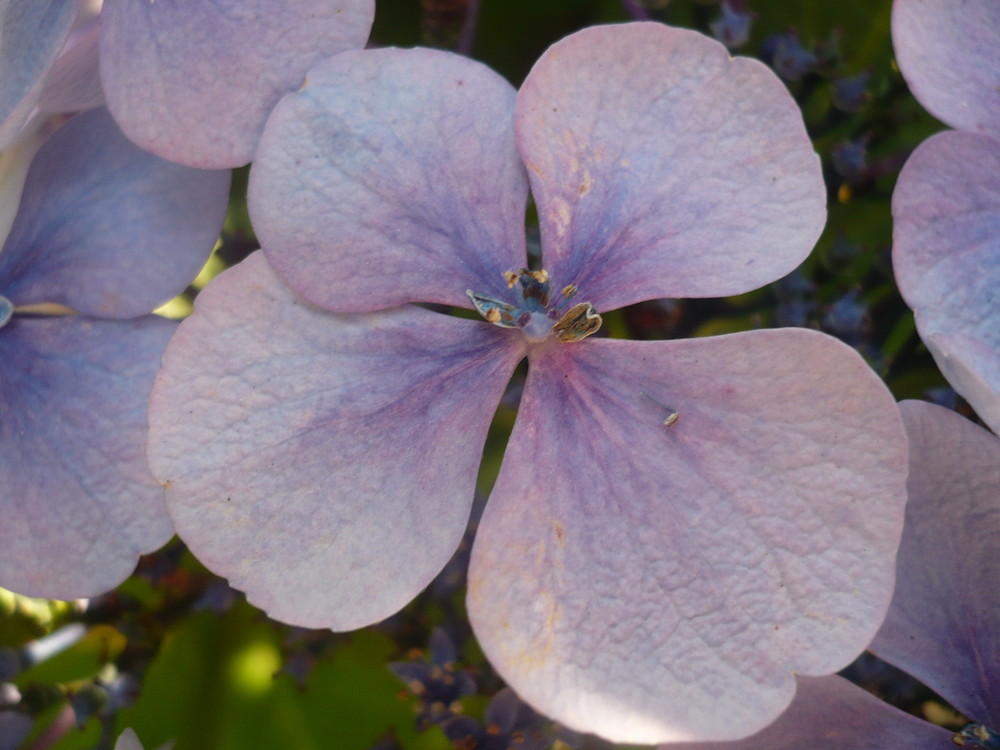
[[78, 502], [391, 177], [943, 623], [655, 583], [324, 464], [33, 33], [106, 228], [14, 163], [946, 256], [193, 81], [947, 52], [662, 167], [830, 713]]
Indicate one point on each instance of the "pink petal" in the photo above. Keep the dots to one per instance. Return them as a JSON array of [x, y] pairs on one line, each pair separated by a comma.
[[946, 255], [390, 177], [943, 623], [947, 52], [194, 80], [830, 713], [659, 584], [78, 502], [662, 167], [324, 464]]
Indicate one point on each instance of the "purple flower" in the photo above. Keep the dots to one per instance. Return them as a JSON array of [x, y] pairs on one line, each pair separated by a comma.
[[946, 206], [678, 526], [108, 232], [945, 615], [194, 80]]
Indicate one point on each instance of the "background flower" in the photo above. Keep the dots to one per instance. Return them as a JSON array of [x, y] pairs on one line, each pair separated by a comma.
[[107, 231], [946, 207]]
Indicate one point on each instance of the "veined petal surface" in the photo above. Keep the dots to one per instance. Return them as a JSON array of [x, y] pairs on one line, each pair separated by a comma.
[[194, 80], [663, 167], [74, 83], [106, 228], [945, 615], [947, 51], [324, 464], [392, 176], [946, 257], [31, 35], [663, 584], [79, 504], [830, 713]]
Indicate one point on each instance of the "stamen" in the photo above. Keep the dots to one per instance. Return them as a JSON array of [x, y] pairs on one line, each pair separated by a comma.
[[581, 321], [45, 308]]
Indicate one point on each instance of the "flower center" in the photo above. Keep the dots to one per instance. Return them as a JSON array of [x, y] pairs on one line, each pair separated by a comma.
[[977, 735], [534, 313]]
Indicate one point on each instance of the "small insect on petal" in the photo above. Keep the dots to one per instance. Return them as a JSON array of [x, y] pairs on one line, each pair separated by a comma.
[[579, 322], [672, 414]]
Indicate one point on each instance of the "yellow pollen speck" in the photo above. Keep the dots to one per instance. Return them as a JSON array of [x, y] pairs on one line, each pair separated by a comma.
[[511, 278], [569, 290], [541, 276], [492, 315]]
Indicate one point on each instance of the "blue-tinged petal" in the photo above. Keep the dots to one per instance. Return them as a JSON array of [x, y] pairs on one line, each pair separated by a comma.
[[945, 616], [663, 167], [946, 256], [31, 35], [392, 176], [78, 502], [947, 51], [194, 80], [106, 228], [74, 82], [324, 464], [680, 527], [830, 713]]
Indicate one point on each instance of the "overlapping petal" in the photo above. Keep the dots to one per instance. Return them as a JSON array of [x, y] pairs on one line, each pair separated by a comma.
[[653, 583], [106, 228], [830, 713], [194, 80], [946, 256], [943, 623], [33, 33], [947, 52], [324, 464], [74, 82], [663, 167], [392, 176], [78, 502]]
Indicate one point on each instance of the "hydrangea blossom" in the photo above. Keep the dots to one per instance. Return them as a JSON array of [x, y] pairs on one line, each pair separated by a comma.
[[945, 614], [678, 527], [946, 206], [193, 80], [104, 233]]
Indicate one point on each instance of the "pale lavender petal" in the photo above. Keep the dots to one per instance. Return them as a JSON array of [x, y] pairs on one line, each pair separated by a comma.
[[106, 228], [655, 583], [324, 464], [74, 83], [33, 32], [78, 503], [193, 81], [14, 163], [830, 713], [943, 623], [663, 167], [946, 256], [392, 176], [947, 52]]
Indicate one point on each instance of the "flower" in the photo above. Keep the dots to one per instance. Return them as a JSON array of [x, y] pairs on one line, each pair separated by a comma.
[[945, 614], [946, 205], [105, 232], [193, 80], [678, 526]]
